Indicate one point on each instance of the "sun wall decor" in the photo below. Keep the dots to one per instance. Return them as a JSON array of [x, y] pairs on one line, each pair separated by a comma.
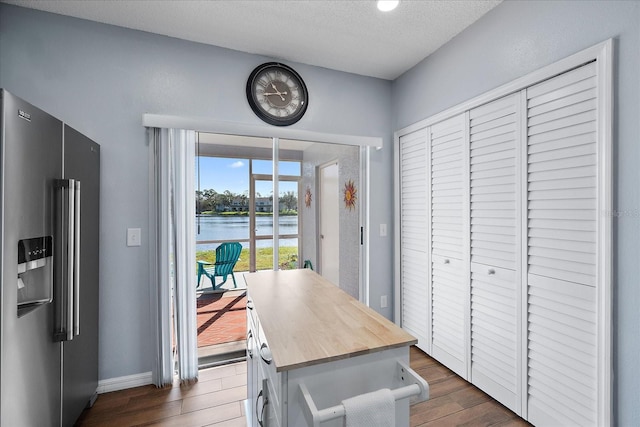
[[307, 197], [350, 195]]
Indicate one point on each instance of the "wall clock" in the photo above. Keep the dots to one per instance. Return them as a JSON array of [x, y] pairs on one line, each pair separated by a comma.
[[277, 94]]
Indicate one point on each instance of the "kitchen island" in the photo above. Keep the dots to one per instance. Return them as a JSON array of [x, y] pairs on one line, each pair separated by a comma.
[[310, 345]]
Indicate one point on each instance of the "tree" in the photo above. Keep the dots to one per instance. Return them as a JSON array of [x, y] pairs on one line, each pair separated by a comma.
[[289, 200], [205, 200], [227, 198]]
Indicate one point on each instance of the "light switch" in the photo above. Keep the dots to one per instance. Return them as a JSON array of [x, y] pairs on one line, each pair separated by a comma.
[[383, 230], [134, 237], [383, 301]]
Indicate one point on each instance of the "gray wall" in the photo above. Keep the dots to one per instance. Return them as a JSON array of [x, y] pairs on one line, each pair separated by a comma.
[[348, 158], [514, 39], [101, 79]]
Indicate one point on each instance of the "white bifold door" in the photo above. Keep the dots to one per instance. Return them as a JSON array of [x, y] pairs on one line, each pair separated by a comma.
[[562, 249], [504, 246], [414, 250], [495, 250], [449, 289]]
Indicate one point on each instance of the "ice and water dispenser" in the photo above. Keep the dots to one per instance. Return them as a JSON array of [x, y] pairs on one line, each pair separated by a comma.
[[35, 273]]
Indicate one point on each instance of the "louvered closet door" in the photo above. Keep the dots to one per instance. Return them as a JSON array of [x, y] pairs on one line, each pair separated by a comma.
[[562, 235], [495, 286], [449, 289], [413, 228]]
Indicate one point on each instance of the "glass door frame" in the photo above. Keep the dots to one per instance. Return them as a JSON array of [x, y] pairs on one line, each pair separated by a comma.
[[367, 145], [275, 236]]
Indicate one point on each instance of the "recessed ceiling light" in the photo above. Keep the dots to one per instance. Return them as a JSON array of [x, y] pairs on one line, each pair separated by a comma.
[[387, 5]]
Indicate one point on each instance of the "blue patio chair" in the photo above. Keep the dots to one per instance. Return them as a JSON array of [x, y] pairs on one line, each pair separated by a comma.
[[227, 255]]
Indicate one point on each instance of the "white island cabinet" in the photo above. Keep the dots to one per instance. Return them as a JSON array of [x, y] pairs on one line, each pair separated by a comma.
[[310, 346]]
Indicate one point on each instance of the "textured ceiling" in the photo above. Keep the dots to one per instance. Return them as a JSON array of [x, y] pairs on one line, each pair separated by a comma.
[[345, 35]]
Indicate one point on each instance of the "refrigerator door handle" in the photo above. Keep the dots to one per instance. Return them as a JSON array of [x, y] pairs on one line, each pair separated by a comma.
[[66, 260], [76, 261], [70, 259]]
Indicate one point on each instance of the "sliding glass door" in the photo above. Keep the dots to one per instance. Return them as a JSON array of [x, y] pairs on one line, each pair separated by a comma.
[[265, 233], [222, 213], [237, 203]]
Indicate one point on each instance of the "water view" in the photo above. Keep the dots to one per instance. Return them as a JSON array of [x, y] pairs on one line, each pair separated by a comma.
[[237, 228]]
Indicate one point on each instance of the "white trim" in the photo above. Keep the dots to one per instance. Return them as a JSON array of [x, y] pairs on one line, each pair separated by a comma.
[[125, 382], [466, 243], [397, 189], [521, 273], [206, 124], [363, 291], [605, 251], [559, 67]]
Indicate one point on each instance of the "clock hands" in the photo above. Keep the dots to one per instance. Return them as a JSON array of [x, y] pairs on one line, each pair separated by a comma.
[[277, 92]]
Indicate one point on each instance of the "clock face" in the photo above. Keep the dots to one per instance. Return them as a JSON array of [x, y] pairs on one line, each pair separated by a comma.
[[277, 94]]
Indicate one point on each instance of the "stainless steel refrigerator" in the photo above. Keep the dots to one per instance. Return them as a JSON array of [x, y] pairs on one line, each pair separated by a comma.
[[49, 224]]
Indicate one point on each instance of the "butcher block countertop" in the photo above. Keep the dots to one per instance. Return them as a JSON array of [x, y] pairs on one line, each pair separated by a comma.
[[308, 320]]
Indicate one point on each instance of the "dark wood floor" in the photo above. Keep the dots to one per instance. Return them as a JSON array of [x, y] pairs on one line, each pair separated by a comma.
[[453, 401], [217, 400]]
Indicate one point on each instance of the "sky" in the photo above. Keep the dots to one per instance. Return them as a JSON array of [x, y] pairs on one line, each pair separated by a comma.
[[223, 174]]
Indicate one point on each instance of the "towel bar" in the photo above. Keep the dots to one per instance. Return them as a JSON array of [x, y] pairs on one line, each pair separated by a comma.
[[414, 385]]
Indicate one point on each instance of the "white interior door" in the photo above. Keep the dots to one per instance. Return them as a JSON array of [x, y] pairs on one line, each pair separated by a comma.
[[414, 245], [329, 227], [563, 219], [449, 288], [495, 227]]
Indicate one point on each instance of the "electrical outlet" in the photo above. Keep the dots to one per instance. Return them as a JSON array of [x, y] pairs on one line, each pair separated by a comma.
[[383, 301], [134, 237]]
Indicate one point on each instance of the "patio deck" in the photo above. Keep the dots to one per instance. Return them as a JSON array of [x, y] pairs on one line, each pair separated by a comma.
[[221, 321], [221, 317]]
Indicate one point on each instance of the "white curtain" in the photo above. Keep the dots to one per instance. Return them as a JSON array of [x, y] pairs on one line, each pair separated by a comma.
[[173, 276]]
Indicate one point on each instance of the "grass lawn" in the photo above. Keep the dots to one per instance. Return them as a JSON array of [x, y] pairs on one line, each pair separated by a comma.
[[288, 256]]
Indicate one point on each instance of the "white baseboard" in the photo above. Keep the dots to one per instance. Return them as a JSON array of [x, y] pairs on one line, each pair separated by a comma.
[[121, 383]]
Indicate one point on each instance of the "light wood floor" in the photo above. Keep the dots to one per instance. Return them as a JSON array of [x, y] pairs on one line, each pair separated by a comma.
[[217, 400]]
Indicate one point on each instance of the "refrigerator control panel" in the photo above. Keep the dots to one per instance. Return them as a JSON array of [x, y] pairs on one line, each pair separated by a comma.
[[35, 273], [32, 252]]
